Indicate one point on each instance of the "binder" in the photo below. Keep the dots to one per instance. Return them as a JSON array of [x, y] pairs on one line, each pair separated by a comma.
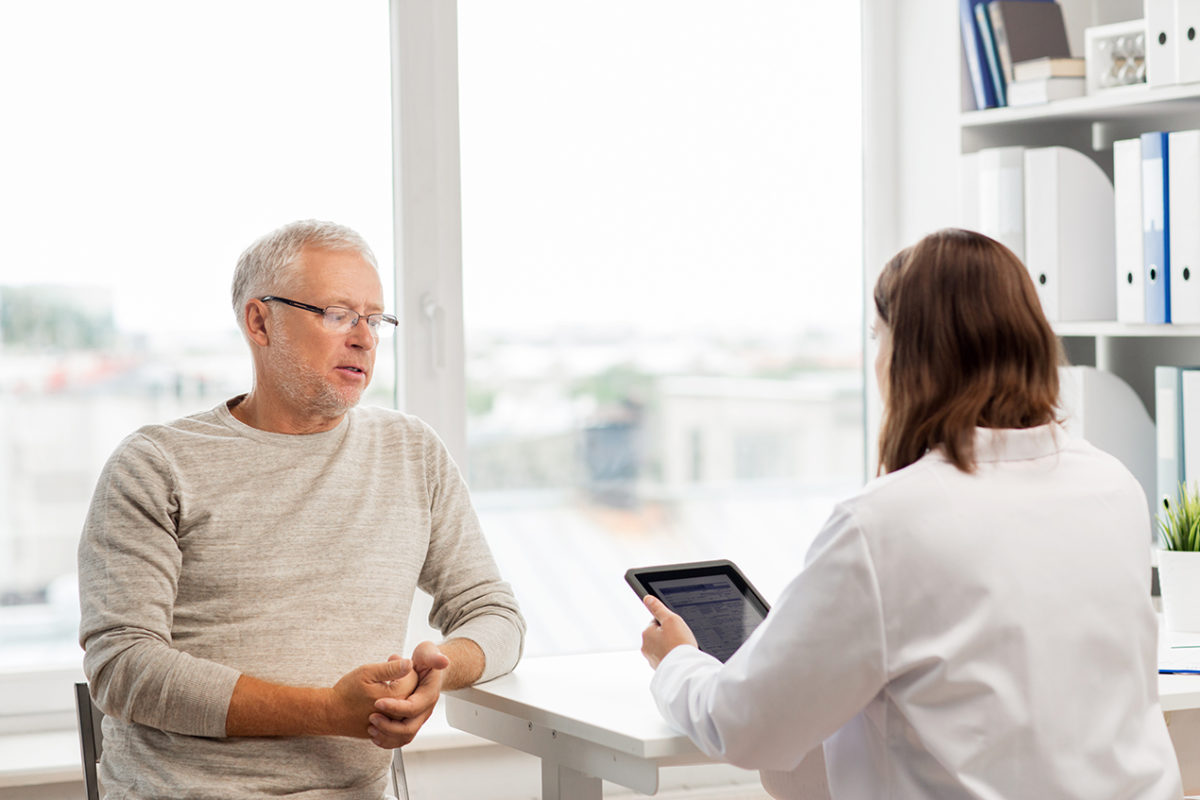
[[1104, 410], [1069, 248], [984, 23], [1184, 192], [1162, 64], [1127, 230], [1189, 425], [968, 191], [981, 82], [1002, 196], [1167, 427], [1187, 19], [1156, 227]]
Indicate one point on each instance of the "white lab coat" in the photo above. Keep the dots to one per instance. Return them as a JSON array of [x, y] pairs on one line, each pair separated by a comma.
[[952, 635]]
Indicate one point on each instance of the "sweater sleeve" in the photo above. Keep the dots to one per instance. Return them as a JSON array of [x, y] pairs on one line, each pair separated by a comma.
[[470, 601], [129, 563], [815, 662]]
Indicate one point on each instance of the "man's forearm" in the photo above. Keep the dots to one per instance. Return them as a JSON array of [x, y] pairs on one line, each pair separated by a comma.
[[466, 663], [259, 708]]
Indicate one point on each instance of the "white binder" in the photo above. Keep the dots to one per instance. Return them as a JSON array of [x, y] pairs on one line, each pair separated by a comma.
[[1189, 420], [1069, 243], [968, 191], [1002, 196], [1184, 197], [1162, 50], [1169, 470], [1187, 40], [1127, 230]]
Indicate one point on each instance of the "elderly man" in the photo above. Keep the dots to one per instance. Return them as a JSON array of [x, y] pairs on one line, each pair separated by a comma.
[[245, 571]]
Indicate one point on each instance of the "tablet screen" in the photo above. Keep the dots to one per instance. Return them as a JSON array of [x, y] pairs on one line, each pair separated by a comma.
[[713, 598]]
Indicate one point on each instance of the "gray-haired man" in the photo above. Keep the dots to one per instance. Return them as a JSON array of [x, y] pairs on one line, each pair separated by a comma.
[[239, 566]]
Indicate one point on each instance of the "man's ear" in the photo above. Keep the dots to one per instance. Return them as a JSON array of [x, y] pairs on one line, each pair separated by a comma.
[[256, 322]]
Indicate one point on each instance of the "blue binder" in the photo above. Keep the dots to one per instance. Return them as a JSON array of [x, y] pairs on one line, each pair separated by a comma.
[[984, 24], [977, 65], [1156, 227]]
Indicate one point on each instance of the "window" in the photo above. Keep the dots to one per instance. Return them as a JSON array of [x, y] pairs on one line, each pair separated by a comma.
[[145, 145], [662, 292]]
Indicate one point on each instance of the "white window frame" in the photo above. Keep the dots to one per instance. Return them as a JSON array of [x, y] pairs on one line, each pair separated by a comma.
[[431, 363]]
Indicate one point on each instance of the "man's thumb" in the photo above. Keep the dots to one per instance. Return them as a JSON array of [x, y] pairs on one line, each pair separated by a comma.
[[393, 668]]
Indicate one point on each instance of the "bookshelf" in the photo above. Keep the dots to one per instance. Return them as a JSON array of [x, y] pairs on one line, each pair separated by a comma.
[[1090, 124]]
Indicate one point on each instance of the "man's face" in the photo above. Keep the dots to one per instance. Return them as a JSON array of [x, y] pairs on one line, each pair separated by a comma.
[[319, 371]]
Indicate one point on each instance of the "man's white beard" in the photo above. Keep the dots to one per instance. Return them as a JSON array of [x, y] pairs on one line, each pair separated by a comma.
[[304, 387]]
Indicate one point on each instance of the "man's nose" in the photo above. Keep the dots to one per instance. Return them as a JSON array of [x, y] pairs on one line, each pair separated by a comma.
[[360, 335]]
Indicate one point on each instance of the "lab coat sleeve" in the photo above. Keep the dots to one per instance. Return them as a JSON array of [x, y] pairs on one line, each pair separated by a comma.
[[815, 662]]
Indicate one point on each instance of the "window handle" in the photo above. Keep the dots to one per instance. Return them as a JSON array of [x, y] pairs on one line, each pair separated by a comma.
[[433, 312]]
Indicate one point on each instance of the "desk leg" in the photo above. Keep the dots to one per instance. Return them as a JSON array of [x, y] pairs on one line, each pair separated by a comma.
[[563, 783]]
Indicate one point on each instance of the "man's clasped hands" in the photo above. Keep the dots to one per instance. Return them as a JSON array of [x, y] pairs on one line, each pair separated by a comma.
[[388, 702]]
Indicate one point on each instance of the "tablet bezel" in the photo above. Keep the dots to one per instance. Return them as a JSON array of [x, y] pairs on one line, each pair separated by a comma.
[[641, 578]]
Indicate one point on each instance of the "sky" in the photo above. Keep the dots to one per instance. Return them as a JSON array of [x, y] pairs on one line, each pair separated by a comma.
[[146, 144], [642, 165]]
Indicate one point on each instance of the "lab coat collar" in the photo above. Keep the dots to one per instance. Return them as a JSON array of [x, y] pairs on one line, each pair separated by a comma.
[[1017, 444]]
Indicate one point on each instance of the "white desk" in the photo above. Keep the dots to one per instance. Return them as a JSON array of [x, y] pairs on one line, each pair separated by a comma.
[[590, 718], [1179, 692]]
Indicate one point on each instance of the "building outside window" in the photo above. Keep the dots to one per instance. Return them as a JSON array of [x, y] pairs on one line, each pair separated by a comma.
[[662, 292]]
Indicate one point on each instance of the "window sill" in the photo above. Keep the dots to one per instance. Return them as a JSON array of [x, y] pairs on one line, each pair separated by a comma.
[[33, 759]]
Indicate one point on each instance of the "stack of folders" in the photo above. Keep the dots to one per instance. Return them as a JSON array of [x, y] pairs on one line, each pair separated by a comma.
[[1044, 79], [1177, 430], [999, 34], [1054, 208], [1172, 46], [1157, 181]]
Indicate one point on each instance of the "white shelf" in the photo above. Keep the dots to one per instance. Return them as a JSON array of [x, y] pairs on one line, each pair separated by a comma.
[[1123, 103], [1125, 330]]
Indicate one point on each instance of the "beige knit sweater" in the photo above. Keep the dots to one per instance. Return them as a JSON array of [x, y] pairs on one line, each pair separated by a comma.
[[213, 549]]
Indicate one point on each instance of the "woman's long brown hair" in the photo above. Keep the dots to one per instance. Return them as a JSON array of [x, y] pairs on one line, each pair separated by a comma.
[[970, 347]]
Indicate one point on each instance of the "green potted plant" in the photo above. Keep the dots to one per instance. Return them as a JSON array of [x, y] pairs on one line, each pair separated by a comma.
[[1179, 561]]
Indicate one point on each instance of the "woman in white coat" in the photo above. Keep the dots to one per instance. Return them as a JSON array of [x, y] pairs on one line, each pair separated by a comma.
[[977, 622]]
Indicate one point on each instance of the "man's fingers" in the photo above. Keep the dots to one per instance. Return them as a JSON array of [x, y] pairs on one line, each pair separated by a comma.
[[401, 708]]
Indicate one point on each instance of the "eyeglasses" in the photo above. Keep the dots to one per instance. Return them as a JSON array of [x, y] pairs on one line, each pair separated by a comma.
[[343, 320]]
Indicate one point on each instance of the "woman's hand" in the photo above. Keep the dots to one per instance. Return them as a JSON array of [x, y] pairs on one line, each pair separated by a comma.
[[667, 632]]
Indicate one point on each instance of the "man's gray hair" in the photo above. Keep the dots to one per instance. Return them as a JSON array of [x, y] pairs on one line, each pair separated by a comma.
[[265, 266]]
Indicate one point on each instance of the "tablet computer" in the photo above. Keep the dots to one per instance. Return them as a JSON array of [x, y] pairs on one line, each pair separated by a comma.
[[714, 598]]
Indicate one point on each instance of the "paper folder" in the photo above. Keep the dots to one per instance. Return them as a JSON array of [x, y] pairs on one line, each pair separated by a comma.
[[1069, 241], [1156, 223], [1162, 65], [1184, 198], [1002, 196], [1127, 230]]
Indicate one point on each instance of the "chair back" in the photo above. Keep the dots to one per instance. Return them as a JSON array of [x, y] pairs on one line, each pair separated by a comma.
[[399, 780], [91, 738], [91, 744]]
